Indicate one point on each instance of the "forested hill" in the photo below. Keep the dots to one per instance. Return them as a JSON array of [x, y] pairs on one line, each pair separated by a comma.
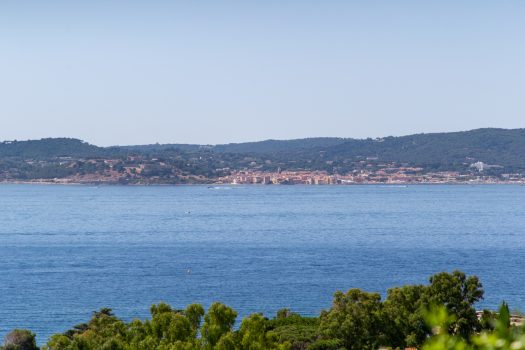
[[439, 151], [50, 148], [258, 147], [494, 146], [502, 147], [275, 146]]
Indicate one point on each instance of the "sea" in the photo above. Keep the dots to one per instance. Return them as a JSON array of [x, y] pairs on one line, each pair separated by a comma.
[[66, 251]]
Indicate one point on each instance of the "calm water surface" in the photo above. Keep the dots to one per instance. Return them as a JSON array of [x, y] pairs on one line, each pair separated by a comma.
[[68, 250]]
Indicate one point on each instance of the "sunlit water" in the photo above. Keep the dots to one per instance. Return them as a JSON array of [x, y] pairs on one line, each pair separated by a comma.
[[68, 250]]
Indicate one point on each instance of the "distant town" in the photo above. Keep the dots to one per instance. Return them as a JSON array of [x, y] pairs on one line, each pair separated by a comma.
[[482, 156], [147, 171], [384, 176]]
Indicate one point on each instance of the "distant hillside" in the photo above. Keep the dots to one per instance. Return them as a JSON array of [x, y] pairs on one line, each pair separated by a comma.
[[439, 151], [48, 148], [153, 148], [492, 146], [267, 146], [274, 146]]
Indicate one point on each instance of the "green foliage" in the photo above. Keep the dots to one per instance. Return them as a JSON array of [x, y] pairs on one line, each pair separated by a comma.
[[254, 335], [20, 339], [504, 336], [227, 342], [294, 329], [357, 319], [327, 344], [437, 316], [194, 313], [218, 321], [362, 321], [403, 310], [457, 293]]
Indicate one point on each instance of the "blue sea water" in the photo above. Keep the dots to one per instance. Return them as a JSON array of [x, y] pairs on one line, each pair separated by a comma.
[[66, 251]]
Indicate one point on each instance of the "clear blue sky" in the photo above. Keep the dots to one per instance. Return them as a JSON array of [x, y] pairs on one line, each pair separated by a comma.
[[133, 72]]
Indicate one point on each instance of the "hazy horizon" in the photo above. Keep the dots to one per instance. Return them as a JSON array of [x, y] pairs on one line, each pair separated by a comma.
[[114, 72]]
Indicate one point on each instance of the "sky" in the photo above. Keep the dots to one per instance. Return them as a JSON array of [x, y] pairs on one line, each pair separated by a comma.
[[138, 72]]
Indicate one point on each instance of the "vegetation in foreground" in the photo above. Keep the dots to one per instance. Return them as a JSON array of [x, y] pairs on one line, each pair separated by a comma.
[[437, 316]]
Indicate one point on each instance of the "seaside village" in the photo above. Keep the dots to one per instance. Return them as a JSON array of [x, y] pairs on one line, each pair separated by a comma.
[[398, 175], [141, 170]]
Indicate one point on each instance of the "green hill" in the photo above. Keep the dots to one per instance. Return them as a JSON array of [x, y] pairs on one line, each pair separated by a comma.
[[49, 148], [275, 146], [436, 151], [493, 146]]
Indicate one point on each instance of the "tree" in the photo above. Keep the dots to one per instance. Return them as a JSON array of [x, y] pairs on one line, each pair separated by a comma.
[[292, 328], [218, 321], [169, 326], [20, 339], [194, 313], [227, 342], [254, 334], [403, 311], [356, 318], [457, 293]]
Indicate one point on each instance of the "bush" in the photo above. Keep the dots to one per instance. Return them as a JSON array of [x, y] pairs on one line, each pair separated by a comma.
[[20, 339]]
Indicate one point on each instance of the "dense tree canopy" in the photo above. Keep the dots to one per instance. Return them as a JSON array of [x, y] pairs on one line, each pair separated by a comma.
[[436, 316]]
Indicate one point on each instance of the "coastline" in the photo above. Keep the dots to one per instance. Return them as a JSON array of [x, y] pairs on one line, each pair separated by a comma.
[[140, 184]]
